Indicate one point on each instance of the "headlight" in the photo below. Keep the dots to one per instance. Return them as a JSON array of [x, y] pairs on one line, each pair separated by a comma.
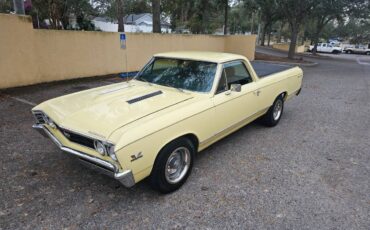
[[100, 148], [50, 122], [105, 148]]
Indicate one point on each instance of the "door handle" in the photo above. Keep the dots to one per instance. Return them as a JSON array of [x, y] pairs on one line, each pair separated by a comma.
[[257, 92]]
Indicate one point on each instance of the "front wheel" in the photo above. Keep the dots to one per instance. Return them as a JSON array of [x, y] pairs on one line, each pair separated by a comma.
[[173, 165], [273, 115], [368, 53]]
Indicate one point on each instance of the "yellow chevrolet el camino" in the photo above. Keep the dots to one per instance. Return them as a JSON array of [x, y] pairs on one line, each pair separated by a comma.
[[177, 105]]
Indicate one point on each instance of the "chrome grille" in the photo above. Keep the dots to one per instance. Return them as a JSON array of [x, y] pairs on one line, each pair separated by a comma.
[[76, 138], [40, 117]]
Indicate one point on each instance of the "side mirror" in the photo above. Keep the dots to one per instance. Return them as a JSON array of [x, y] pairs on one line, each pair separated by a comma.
[[236, 87]]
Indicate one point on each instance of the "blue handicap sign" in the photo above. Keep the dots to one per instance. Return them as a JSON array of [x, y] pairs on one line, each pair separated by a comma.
[[122, 39]]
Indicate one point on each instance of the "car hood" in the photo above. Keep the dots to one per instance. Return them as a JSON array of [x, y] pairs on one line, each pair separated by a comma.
[[99, 112]]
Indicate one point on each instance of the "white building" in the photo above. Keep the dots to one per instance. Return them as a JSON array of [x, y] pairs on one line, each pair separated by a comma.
[[135, 23]]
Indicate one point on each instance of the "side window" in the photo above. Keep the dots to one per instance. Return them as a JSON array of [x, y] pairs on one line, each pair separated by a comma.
[[236, 73], [323, 45]]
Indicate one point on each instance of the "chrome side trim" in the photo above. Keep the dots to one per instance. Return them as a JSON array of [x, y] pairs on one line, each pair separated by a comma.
[[126, 177]]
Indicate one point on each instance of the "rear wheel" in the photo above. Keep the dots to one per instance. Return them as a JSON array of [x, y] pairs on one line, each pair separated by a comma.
[[173, 165], [349, 51], [368, 53], [273, 115]]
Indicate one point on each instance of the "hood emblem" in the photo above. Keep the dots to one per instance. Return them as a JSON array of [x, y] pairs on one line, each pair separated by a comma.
[[136, 156], [140, 98]]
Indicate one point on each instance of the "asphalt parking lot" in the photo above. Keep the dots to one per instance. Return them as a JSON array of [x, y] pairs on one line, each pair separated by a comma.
[[312, 171]]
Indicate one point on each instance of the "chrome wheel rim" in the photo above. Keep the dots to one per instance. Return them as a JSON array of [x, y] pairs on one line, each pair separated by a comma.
[[177, 165], [277, 109]]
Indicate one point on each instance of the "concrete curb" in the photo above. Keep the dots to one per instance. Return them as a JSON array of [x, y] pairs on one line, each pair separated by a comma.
[[305, 54], [312, 56], [290, 63]]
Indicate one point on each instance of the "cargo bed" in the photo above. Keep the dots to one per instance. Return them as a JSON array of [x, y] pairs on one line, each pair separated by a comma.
[[264, 69]]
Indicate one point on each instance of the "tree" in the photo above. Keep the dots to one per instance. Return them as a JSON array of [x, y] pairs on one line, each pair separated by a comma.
[[269, 15], [357, 31], [241, 18], [295, 12], [6, 6], [156, 9], [117, 9], [58, 13], [198, 16], [326, 11]]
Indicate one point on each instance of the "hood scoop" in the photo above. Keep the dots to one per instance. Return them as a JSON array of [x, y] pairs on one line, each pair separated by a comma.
[[143, 97]]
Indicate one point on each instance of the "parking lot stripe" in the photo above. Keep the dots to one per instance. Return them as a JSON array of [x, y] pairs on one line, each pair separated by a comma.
[[24, 101], [361, 62]]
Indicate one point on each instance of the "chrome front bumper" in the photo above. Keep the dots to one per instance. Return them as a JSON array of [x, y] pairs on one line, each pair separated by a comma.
[[126, 177]]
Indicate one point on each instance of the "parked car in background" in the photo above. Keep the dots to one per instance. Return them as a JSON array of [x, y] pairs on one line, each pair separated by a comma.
[[326, 48], [358, 49], [178, 105]]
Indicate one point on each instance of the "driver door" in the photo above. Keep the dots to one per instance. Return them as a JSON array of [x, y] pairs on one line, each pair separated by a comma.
[[234, 108]]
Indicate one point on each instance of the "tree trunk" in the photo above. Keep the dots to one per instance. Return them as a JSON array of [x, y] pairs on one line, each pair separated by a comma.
[[156, 9], [226, 4], [120, 15], [314, 50], [18, 6], [65, 22], [319, 27], [315, 41], [252, 23], [293, 41], [263, 35], [279, 34], [269, 36]]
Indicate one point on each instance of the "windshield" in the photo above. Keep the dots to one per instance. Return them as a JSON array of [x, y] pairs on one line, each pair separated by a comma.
[[181, 74]]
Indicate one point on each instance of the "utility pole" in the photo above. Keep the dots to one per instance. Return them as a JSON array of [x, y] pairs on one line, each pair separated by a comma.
[[19, 6]]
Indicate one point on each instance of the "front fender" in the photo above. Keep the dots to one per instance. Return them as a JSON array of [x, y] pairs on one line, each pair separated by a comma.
[[148, 138], [140, 155]]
